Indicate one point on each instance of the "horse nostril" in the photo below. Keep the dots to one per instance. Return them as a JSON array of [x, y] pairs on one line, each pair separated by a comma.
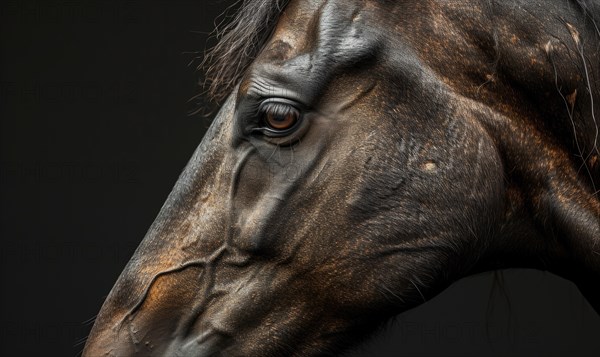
[[108, 345]]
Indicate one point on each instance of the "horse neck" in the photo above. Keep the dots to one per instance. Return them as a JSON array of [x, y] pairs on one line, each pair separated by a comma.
[[539, 100]]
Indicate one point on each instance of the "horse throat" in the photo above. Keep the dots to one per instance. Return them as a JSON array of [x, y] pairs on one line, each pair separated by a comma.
[[533, 87]]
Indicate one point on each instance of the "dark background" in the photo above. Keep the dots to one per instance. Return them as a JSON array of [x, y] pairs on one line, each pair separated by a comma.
[[95, 131]]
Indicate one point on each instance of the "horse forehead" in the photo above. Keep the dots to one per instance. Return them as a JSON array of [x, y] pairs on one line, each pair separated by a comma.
[[328, 28]]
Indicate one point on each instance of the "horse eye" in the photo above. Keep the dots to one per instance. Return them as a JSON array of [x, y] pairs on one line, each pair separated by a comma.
[[279, 117], [281, 121]]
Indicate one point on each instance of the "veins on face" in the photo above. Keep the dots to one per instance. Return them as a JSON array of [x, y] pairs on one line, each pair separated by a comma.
[[225, 255]]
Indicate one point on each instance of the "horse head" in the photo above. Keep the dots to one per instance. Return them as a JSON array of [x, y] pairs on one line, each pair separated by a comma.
[[367, 155]]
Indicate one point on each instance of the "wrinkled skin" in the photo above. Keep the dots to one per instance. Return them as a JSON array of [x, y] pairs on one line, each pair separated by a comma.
[[425, 155]]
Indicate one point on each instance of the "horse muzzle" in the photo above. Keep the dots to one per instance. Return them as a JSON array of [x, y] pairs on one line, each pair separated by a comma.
[[117, 344]]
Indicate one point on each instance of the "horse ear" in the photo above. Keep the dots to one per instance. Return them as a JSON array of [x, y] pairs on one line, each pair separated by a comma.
[[573, 222]]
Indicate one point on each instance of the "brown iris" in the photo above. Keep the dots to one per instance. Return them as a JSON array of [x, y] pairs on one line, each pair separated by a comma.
[[281, 122], [280, 116]]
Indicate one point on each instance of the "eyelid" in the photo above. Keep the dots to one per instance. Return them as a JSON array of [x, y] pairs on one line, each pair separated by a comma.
[[280, 101], [277, 108]]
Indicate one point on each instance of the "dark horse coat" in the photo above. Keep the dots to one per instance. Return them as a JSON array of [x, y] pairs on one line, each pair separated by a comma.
[[368, 154]]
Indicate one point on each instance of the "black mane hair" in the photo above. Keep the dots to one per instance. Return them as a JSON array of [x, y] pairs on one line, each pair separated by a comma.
[[242, 38], [239, 41], [591, 9]]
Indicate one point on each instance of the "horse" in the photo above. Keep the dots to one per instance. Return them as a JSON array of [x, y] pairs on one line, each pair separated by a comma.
[[366, 155]]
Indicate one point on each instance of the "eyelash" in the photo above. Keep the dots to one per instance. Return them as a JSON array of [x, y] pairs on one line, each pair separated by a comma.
[[278, 109]]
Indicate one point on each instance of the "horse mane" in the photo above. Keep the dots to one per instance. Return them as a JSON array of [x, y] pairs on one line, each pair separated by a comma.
[[239, 42], [591, 8], [591, 13], [241, 39]]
